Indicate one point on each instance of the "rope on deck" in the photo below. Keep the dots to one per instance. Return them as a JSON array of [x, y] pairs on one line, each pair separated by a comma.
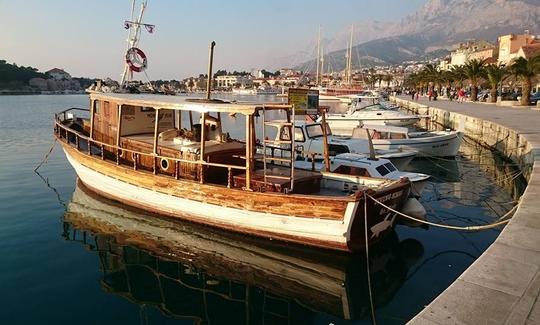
[[499, 222]]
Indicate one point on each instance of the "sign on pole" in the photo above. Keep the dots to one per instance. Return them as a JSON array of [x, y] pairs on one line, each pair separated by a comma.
[[305, 101]]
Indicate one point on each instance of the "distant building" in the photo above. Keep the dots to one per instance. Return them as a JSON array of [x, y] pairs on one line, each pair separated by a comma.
[[233, 80], [445, 64], [510, 45], [58, 74], [287, 72], [473, 50], [528, 51]]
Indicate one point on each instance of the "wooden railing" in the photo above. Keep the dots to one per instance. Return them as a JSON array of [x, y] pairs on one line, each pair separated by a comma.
[[98, 148]]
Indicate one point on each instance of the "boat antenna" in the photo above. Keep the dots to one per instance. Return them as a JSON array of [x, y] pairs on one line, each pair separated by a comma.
[[326, 158], [371, 148], [210, 62]]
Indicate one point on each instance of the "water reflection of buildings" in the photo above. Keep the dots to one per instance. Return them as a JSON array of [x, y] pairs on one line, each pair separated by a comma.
[[190, 272]]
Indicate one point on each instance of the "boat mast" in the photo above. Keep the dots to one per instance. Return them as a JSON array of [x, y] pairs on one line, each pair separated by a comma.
[[349, 58], [133, 39], [318, 56], [322, 65]]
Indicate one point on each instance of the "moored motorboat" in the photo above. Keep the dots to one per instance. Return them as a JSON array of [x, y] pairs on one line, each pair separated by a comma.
[[428, 143], [310, 141], [140, 150], [172, 155]]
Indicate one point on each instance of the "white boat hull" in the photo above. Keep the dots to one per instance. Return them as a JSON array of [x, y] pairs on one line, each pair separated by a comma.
[[331, 231], [446, 145], [344, 126]]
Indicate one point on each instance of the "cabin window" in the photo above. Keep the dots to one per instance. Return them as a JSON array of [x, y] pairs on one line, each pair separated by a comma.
[[382, 170], [97, 106], [284, 134], [390, 166], [336, 149], [316, 130], [298, 134], [353, 171]]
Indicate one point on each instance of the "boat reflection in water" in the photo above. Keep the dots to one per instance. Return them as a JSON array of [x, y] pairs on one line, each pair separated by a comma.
[[193, 272]]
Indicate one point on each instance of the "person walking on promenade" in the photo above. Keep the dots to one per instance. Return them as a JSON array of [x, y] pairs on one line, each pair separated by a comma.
[[413, 94], [461, 95], [430, 94]]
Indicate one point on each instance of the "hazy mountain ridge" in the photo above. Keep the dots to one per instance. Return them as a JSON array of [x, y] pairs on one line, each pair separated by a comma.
[[439, 24]]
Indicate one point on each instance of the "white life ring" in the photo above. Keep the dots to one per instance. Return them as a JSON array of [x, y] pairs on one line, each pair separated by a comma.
[[136, 59]]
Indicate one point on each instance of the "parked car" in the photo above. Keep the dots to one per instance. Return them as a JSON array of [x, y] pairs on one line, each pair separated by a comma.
[[535, 98], [511, 96]]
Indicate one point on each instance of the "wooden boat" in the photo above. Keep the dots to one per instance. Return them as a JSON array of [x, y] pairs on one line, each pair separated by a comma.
[[186, 270], [138, 149]]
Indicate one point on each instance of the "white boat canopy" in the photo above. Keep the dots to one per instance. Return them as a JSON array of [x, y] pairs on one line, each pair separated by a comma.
[[159, 101]]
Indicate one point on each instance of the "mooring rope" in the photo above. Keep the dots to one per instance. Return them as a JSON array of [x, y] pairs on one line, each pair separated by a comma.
[[44, 160], [373, 320], [466, 228]]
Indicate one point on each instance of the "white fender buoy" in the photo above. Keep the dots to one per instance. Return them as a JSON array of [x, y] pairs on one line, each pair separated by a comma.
[[415, 209]]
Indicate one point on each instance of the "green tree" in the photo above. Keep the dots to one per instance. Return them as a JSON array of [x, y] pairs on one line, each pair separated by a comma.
[[474, 70], [388, 78], [459, 74], [526, 70], [495, 74]]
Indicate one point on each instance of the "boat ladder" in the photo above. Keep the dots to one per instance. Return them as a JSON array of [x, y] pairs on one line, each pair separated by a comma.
[[283, 145]]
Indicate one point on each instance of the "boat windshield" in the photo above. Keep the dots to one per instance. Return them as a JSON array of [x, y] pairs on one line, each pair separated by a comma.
[[316, 130], [373, 107]]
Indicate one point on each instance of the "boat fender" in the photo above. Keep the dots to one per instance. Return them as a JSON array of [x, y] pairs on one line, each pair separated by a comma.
[[413, 208]]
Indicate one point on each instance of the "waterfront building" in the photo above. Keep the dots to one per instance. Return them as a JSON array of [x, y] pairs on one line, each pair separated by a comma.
[[510, 46], [58, 74], [473, 50], [229, 81]]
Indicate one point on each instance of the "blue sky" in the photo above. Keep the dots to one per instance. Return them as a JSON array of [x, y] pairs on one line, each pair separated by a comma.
[[87, 38]]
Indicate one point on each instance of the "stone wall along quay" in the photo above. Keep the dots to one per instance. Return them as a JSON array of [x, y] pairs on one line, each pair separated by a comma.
[[503, 285]]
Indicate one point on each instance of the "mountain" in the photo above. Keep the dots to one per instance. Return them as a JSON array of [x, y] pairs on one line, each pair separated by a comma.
[[438, 25]]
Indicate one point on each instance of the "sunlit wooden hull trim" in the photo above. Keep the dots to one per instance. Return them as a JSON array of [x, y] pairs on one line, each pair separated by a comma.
[[340, 226]]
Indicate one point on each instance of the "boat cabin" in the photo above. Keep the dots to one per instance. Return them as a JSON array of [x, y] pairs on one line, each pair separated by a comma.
[[185, 138]]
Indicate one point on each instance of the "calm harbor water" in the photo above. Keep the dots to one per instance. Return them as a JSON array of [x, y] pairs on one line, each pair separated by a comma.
[[72, 257]]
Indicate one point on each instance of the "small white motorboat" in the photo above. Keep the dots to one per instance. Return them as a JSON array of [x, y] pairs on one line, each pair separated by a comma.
[[362, 165], [309, 139], [369, 109], [427, 143]]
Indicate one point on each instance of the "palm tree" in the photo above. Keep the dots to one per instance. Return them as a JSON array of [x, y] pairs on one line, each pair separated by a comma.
[[474, 70], [388, 78], [459, 74], [379, 78], [526, 70], [495, 74]]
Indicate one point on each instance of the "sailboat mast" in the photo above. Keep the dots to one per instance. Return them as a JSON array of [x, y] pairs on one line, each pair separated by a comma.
[[322, 64], [349, 72], [318, 56]]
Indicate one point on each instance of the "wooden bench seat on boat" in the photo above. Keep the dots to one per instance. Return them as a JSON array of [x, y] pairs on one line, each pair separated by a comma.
[[305, 182], [215, 152]]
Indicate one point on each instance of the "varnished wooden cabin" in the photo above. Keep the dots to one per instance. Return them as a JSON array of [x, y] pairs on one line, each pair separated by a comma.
[[171, 155]]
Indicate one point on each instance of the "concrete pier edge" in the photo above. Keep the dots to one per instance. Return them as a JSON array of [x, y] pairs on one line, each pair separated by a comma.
[[503, 285]]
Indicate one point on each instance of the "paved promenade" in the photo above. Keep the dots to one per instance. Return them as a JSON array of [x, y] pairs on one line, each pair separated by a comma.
[[503, 285]]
